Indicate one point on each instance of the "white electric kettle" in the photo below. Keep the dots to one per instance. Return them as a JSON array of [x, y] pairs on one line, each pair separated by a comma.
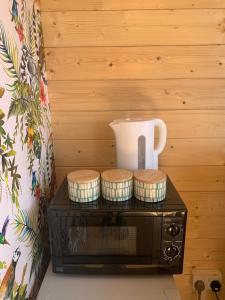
[[135, 142]]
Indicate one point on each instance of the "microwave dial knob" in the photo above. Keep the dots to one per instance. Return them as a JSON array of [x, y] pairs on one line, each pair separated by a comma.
[[173, 230], [172, 251]]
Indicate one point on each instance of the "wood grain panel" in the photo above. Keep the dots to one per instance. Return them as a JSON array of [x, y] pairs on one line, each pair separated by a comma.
[[189, 265], [59, 5], [180, 124], [201, 243], [133, 28], [197, 178], [137, 94], [205, 204], [184, 178], [200, 227], [85, 63], [85, 153], [184, 152], [206, 254]]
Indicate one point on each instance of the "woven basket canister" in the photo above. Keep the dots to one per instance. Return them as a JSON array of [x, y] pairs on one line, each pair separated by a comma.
[[84, 185], [150, 185], [117, 184]]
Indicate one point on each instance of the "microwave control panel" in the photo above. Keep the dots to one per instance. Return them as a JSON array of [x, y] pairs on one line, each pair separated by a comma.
[[173, 231]]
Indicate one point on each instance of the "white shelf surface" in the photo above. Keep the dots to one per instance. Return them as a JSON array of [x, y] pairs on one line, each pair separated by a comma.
[[95, 287]]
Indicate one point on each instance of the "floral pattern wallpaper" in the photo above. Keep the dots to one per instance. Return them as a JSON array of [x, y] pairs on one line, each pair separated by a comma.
[[26, 151]]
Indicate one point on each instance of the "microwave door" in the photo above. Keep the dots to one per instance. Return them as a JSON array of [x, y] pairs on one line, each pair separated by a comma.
[[108, 239]]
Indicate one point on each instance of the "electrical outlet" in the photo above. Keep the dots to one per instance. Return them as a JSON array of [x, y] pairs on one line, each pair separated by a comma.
[[207, 276]]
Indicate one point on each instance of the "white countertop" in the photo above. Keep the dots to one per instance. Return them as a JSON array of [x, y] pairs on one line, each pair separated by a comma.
[[95, 287]]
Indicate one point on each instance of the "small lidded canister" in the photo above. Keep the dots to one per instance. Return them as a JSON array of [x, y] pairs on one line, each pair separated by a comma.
[[150, 185], [84, 185], [117, 184]]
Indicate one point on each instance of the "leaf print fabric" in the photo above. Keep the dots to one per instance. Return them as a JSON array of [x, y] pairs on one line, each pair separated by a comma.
[[26, 150]]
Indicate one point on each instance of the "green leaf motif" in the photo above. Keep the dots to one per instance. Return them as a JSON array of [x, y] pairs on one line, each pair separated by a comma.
[[25, 224], [2, 265], [9, 54], [3, 148], [18, 105], [10, 153], [2, 131], [9, 142], [4, 164]]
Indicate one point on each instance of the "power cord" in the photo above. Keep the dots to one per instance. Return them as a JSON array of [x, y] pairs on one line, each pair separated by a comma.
[[215, 286], [217, 297], [199, 286]]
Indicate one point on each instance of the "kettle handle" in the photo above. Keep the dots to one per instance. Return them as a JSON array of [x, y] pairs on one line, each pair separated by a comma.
[[162, 136]]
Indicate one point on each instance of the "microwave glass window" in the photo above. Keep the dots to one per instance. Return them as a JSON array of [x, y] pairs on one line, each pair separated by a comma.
[[106, 235], [97, 240]]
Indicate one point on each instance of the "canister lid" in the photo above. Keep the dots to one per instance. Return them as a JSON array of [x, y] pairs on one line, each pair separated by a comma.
[[116, 175], [150, 176], [83, 176]]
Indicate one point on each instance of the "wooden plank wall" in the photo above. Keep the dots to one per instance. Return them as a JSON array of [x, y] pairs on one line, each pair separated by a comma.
[[109, 59]]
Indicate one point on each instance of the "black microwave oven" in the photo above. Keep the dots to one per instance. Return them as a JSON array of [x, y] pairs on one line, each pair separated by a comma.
[[130, 237]]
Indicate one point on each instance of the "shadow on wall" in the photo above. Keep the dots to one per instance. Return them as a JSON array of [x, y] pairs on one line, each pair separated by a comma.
[[128, 98]]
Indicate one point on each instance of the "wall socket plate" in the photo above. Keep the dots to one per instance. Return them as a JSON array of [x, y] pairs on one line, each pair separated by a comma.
[[207, 276]]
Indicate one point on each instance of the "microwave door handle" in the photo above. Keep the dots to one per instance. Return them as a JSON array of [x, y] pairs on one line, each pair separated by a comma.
[[143, 214]]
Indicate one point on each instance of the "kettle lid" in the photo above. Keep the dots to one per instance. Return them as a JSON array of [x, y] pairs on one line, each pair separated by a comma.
[[129, 120]]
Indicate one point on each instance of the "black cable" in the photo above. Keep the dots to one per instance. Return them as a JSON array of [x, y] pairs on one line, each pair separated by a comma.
[[217, 297]]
